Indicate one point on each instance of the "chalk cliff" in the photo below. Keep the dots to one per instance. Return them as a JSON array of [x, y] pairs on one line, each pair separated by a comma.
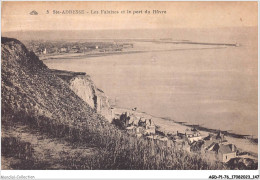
[[82, 85], [31, 91]]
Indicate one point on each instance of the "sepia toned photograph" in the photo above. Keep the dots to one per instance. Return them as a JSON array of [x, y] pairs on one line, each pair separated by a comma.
[[129, 85]]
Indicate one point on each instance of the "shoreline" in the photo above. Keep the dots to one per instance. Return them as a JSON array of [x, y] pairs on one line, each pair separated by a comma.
[[168, 125], [82, 55], [201, 128], [210, 130]]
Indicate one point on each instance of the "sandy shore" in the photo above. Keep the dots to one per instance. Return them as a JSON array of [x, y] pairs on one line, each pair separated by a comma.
[[169, 126], [98, 54]]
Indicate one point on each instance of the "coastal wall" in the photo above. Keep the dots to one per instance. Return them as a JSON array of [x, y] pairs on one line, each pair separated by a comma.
[[82, 85]]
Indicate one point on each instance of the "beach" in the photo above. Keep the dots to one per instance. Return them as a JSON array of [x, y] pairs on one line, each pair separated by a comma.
[[171, 127]]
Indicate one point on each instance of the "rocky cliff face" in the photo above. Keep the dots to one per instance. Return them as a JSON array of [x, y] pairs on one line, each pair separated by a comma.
[[31, 90], [84, 87]]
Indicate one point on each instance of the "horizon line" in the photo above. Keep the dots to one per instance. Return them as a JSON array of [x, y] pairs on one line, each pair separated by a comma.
[[133, 29]]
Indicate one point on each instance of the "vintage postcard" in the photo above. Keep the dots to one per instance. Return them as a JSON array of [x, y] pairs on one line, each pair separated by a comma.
[[130, 86]]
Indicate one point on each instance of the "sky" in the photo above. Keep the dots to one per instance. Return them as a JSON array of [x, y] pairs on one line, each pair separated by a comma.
[[16, 17]]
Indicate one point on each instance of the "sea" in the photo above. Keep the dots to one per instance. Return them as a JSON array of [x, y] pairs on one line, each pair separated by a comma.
[[214, 86]]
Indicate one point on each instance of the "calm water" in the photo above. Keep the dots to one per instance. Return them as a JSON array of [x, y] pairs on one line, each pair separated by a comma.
[[215, 87]]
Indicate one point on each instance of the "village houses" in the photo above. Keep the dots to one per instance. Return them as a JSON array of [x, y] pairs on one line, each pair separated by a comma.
[[215, 146]]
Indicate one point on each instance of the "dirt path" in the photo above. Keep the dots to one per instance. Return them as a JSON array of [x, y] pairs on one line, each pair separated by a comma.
[[51, 153]]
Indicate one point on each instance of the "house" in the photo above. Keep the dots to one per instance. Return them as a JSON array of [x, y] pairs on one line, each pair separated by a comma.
[[137, 131], [227, 152], [219, 138], [190, 135], [126, 45], [142, 122], [133, 120], [148, 124], [129, 121], [193, 135], [192, 132], [75, 49], [193, 139], [63, 50], [44, 51], [222, 152]]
